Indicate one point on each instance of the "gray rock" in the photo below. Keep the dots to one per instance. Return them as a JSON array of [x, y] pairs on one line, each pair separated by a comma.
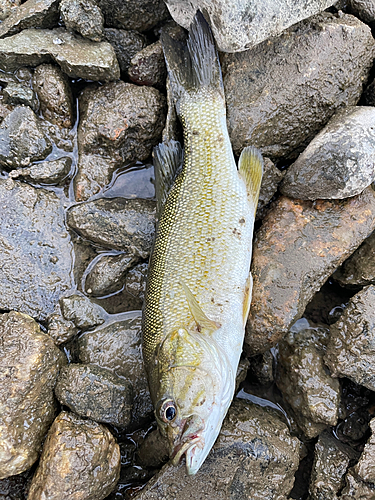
[[117, 347], [242, 24], [365, 468], [91, 391], [60, 329], [7, 7], [305, 381], [139, 15], [30, 363], [350, 351], [35, 249], [22, 139], [339, 161], [269, 95], [369, 94], [83, 16], [135, 281], [19, 93], [147, 67], [364, 9], [297, 248], [355, 489], [31, 14], [5, 109], [80, 460], [81, 311], [270, 182], [119, 123], [126, 44], [77, 57], [107, 274], [45, 172], [153, 451], [254, 457], [116, 223]]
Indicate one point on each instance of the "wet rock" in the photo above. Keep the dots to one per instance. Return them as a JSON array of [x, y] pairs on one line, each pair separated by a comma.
[[350, 351], [77, 57], [83, 16], [5, 110], [270, 182], [305, 381], [30, 363], [54, 94], [359, 269], [7, 7], [364, 9], [117, 223], [253, 453], [19, 93], [31, 14], [126, 44], [339, 161], [365, 468], [91, 391], [269, 95], [139, 15], [80, 460], [120, 123], [147, 67], [297, 248], [135, 281], [108, 273], [45, 172], [35, 249], [81, 311], [262, 367], [117, 347], [355, 489], [331, 461], [60, 329], [369, 94], [153, 451], [22, 139]]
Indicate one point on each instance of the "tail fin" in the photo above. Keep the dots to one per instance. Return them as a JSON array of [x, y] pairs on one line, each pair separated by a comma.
[[194, 65]]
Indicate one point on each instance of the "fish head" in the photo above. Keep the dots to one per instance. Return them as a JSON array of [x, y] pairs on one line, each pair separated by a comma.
[[193, 397]]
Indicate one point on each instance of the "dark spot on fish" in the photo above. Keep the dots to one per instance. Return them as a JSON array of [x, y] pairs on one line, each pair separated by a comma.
[[195, 132], [212, 300], [208, 239], [242, 221], [237, 233]]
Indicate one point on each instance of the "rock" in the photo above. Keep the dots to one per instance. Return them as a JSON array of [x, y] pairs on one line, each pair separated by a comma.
[[30, 362], [304, 380], [45, 172], [5, 110], [365, 468], [350, 351], [107, 274], [359, 269], [339, 161], [80, 460], [22, 139], [139, 15], [7, 7], [369, 94], [135, 281], [83, 16], [240, 25], [126, 44], [81, 311], [119, 123], [253, 453], [60, 329], [355, 489], [18, 93], [331, 461], [262, 367], [117, 223], [117, 347], [269, 95], [153, 451], [364, 9], [54, 94], [77, 57], [31, 14], [270, 182], [296, 249], [35, 249], [147, 67], [91, 391]]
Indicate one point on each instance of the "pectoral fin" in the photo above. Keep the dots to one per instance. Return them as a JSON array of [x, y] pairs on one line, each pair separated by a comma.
[[247, 299], [203, 323], [167, 160], [250, 168]]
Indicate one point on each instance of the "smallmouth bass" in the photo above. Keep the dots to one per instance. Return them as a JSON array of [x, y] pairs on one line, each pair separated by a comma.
[[199, 284]]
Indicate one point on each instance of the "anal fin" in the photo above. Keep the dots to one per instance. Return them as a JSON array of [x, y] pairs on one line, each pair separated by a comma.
[[168, 158], [250, 168], [247, 299]]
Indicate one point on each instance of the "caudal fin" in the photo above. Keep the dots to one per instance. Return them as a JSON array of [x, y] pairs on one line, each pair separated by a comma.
[[194, 65]]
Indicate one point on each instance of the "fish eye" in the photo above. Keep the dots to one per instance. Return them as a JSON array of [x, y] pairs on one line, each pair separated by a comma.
[[168, 411]]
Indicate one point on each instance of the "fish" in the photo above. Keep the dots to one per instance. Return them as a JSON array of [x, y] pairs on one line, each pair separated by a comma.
[[199, 285]]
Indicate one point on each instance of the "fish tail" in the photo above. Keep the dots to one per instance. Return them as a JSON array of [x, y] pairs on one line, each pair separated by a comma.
[[193, 66]]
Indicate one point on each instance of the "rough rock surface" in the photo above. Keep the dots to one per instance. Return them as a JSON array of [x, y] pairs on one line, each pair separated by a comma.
[[19, 93], [270, 181], [135, 281], [355, 489], [81, 311], [45, 172], [365, 468], [83, 16], [305, 381], [297, 248], [339, 161], [117, 223], [126, 44], [7, 7], [80, 460], [364, 9], [139, 15], [77, 57], [254, 457], [117, 347], [31, 14], [350, 351], [147, 67], [269, 89], [91, 391], [120, 123], [22, 139], [30, 363], [60, 329], [35, 249]]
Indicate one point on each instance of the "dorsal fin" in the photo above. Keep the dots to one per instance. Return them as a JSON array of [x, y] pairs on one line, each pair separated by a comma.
[[168, 158], [250, 168], [247, 298], [203, 323]]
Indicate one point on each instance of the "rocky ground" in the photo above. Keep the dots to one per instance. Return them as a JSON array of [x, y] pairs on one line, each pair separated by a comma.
[[83, 100]]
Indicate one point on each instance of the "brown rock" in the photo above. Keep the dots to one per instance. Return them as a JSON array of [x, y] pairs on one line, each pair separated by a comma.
[[297, 248], [365, 468], [31, 14]]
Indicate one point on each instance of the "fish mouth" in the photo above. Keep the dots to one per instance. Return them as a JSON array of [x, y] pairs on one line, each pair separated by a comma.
[[189, 444]]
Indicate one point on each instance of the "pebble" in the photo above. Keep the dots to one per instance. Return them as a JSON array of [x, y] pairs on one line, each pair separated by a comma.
[[81, 311], [60, 329], [126, 44], [147, 67], [84, 17], [45, 172], [31, 14]]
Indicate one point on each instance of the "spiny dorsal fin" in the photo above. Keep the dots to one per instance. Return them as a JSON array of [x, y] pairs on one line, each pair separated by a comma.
[[203, 323], [250, 167], [168, 158]]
